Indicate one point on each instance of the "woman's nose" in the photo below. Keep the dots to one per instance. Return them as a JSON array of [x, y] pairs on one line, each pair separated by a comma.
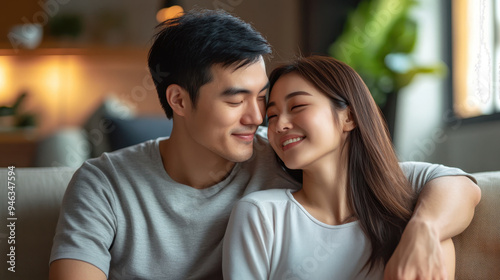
[[282, 124]]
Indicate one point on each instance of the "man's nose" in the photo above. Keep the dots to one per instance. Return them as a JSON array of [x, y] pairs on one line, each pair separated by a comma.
[[254, 114]]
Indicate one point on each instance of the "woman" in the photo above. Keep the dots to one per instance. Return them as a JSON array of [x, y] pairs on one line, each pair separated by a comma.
[[355, 201]]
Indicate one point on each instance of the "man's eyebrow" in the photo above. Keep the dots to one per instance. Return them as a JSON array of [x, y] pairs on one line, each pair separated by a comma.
[[265, 87], [234, 90], [288, 96]]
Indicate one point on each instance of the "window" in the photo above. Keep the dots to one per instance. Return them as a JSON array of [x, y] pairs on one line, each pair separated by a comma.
[[476, 57]]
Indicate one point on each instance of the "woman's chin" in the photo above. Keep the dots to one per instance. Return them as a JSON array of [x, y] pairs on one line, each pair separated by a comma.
[[292, 165]]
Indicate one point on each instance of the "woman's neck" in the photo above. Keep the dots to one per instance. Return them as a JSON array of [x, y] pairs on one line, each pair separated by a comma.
[[324, 191]]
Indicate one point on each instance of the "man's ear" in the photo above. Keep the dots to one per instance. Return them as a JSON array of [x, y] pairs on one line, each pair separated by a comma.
[[348, 123], [178, 99]]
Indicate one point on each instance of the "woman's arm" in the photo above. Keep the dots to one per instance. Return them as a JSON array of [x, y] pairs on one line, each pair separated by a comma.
[[445, 207], [247, 244]]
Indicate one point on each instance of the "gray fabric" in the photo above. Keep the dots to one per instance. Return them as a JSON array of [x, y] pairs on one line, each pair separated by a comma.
[[420, 173], [125, 215], [38, 195]]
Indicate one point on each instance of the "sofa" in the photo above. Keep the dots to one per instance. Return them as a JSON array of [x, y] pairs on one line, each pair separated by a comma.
[[39, 191], [111, 126]]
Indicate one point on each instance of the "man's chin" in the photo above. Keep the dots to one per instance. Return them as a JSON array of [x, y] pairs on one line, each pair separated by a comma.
[[242, 157]]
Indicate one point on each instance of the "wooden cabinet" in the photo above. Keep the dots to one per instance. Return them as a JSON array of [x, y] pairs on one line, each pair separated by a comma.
[[18, 148]]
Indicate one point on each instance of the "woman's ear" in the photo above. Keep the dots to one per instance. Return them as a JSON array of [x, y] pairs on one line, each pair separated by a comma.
[[178, 99], [348, 123]]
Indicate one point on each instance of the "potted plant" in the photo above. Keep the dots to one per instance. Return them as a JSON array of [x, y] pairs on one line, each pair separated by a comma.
[[378, 41], [11, 117]]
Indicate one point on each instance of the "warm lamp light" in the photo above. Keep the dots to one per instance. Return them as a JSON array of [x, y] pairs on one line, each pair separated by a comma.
[[171, 10], [54, 84], [3, 76]]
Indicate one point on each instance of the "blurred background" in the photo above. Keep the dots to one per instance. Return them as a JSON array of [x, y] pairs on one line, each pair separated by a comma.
[[74, 81]]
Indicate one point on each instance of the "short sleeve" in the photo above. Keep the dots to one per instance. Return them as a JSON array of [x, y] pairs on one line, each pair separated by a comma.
[[419, 173], [247, 244], [86, 225]]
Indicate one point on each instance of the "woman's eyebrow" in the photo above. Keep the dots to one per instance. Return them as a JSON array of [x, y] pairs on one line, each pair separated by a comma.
[[288, 96]]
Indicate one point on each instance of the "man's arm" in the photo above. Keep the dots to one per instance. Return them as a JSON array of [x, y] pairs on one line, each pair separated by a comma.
[[445, 208], [85, 229], [69, 269]]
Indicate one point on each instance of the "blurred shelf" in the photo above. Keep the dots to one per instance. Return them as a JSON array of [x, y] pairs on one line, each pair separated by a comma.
[[58, 48], [16, 135]]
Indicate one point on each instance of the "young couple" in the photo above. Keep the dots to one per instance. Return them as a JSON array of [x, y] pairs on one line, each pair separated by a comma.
[[159, 210]]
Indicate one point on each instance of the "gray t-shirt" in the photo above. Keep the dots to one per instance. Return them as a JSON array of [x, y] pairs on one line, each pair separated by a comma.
[[125, 215]]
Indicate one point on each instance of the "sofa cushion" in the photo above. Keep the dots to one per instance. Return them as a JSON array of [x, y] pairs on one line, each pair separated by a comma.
[[97, 127], [128, 132], [38, 197]]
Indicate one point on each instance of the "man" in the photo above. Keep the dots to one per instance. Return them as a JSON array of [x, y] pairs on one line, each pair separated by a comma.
[[158, 210]]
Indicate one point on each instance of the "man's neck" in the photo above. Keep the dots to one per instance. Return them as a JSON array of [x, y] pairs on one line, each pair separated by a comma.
[[192, 165]]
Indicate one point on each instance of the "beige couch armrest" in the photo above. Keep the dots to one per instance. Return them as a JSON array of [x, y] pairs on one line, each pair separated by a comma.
[[38, 197], [478, 247]]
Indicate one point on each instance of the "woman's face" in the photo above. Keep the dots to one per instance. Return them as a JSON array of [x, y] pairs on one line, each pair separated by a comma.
[[302, 127]]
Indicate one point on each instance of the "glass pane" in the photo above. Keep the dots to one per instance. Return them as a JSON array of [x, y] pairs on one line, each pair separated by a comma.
[[497, 56], [473, 57]]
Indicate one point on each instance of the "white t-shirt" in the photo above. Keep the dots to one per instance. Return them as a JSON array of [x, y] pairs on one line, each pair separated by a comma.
[[271, 236]]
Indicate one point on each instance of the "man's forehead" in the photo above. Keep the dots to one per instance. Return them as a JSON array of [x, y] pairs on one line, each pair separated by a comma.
[[238, 65], [255, 72]]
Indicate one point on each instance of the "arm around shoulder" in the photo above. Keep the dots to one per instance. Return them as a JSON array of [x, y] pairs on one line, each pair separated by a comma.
[[69, 269], [447, 197], [444, 209], [448, 203]]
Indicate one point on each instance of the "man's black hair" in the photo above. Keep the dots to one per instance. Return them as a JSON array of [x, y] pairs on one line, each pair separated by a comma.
[[186, 47]]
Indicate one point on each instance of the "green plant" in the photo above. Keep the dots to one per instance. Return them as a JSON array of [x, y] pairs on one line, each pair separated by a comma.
[[378, 41], [69, 25], [21, 119]]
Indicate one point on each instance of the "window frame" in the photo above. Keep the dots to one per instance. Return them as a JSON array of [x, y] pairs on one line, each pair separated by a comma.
[[452, 118]]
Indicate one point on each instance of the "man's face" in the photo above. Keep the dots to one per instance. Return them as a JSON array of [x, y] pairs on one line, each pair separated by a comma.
[[229, 110]]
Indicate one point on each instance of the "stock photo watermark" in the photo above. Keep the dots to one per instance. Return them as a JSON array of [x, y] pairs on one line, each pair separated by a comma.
[[228, 5], [367, 33], [98, 134], [483, 84], [29, 34], [326, 247], [11, 218], [427, 146]]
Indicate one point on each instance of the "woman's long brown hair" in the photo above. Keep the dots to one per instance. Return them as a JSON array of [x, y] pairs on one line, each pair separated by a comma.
[[378, 192]]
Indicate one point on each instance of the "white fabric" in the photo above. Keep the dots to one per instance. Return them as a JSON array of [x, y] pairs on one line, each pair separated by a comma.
[[271, 236]]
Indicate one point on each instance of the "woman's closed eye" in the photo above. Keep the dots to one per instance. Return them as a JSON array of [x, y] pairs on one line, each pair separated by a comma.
[[297, 106], [270, 116]]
